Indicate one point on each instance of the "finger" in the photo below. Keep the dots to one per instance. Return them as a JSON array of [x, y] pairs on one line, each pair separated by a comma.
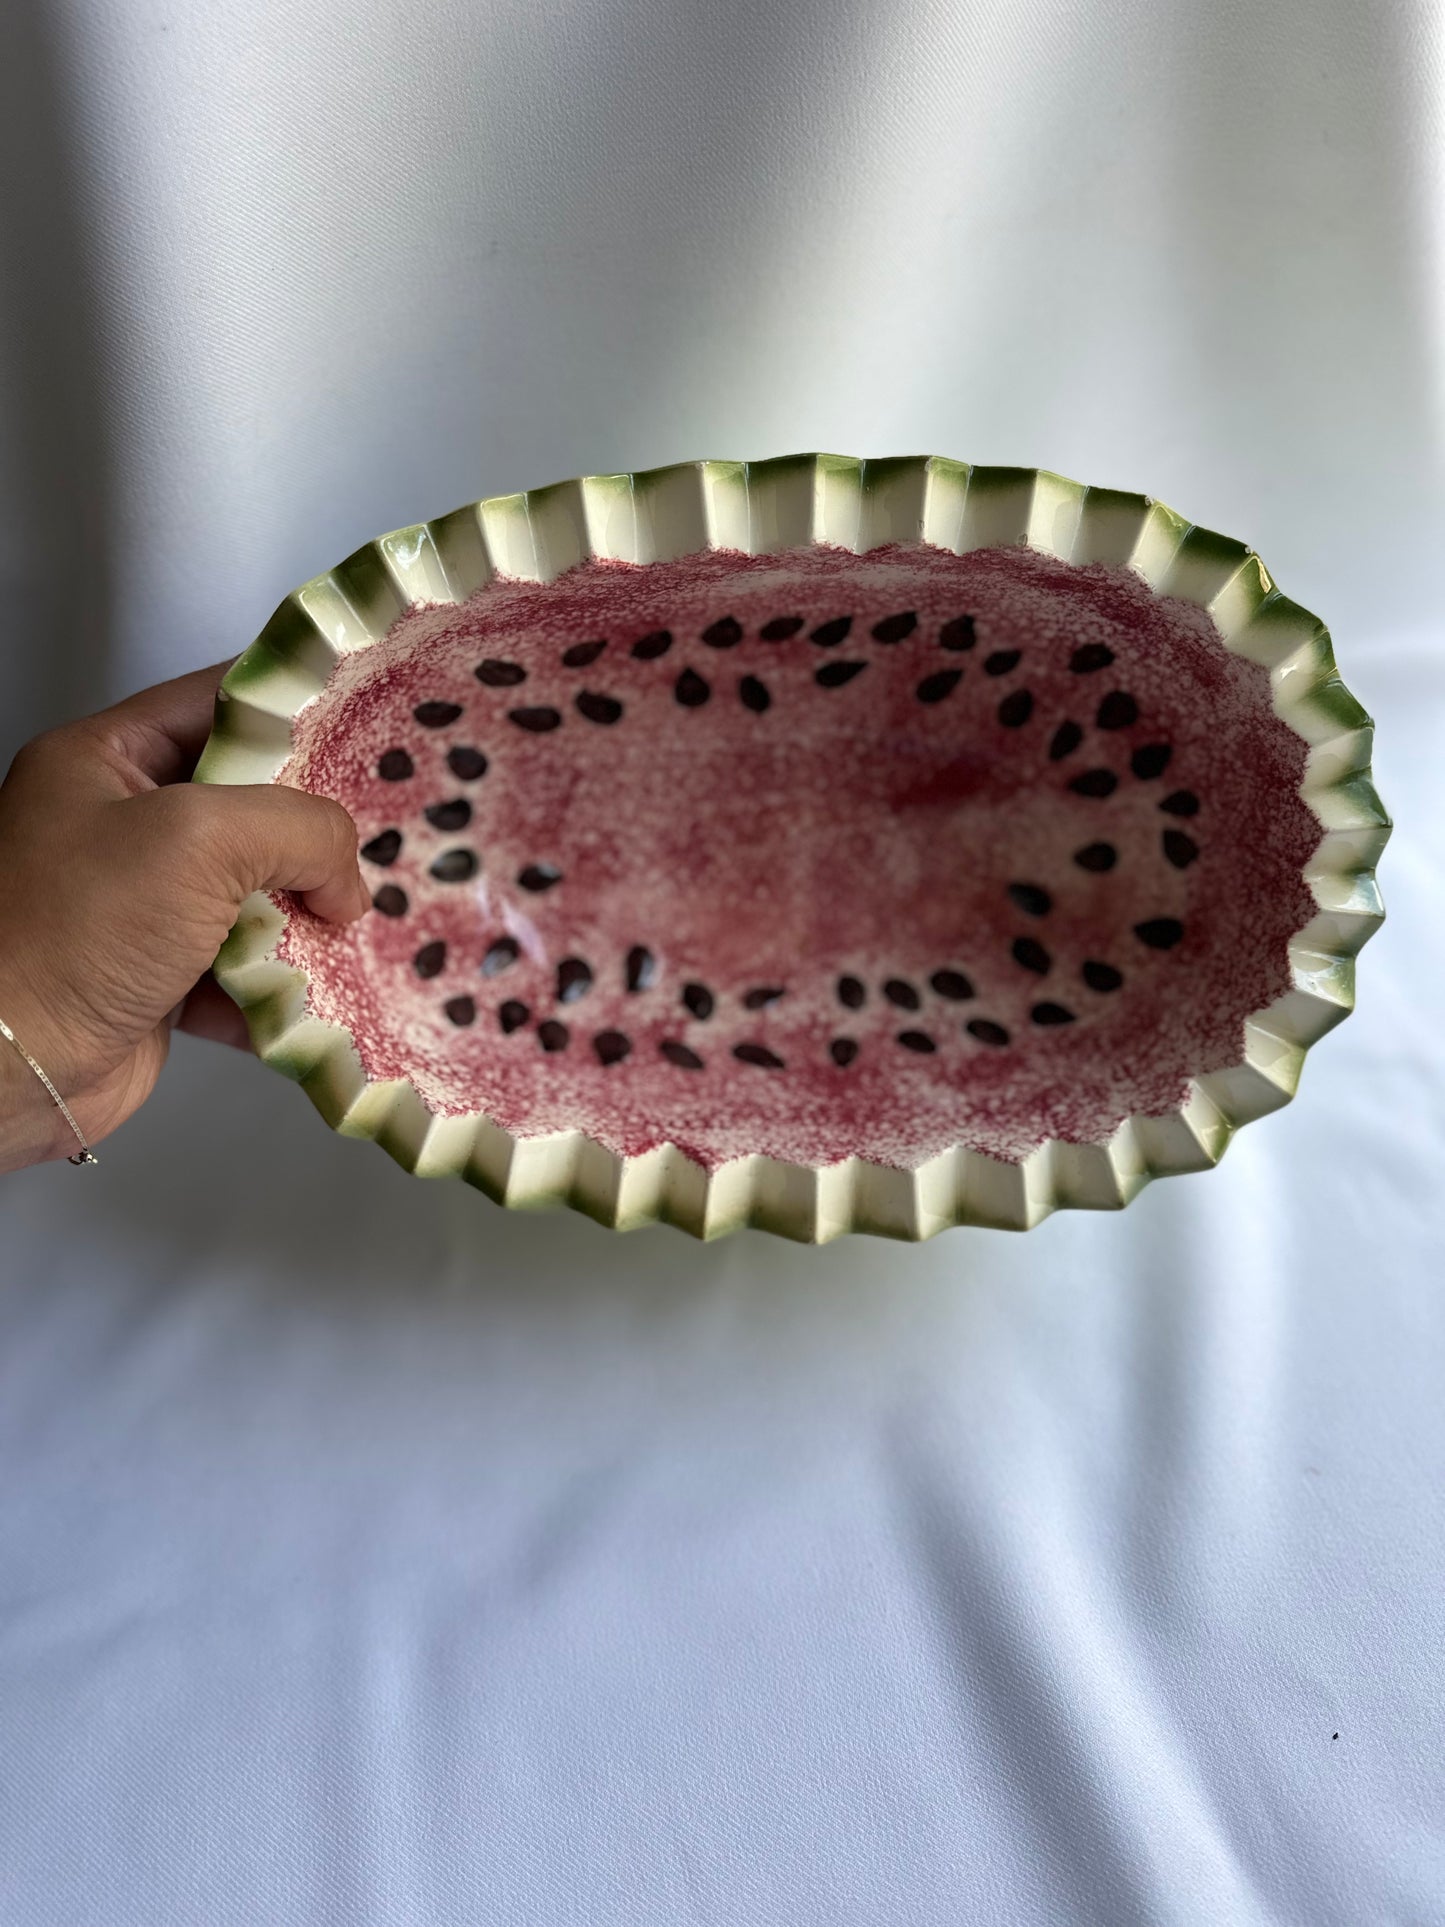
[[208, 1012], [161, 731], [271, 837]]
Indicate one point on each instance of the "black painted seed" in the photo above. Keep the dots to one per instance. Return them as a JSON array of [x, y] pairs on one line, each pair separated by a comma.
[[691, 690], [1066, 740], [895, 628], [985, 1031], [699, 1000], [599, 709], [1001, 661], [390, 901], [536, 721], [461, 1010], [1051, 1014], [1117, 711], [1095, 782], [501, 956], [1181, 803], [552, 1035], [833, 675], [679, 1054], [1180, 849], [395, 766], [942, 683], [466, 764], [1160, 933], [456, 866], [539, 876], [725, 633], [452, 815], [383, 849], [513, 1015], [763, 997], [843, 1050], [641, 968], [960, 633], [655, 643], [918, 1040], [1032, 898], [1150, 760], [1097, 857], [1015, 710], [1101, 976], [574, 979], [758, 1054], [851, 993], [952, 984], [497, 674], [828, 635], [436, 715], [583, 653], [780, 628], [430, 960], [611, 1046], [755, 694], [1032, 955], [901, 994], [1091, 656]]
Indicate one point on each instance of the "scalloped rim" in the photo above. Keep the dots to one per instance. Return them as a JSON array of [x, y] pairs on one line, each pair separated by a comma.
[[762, 507]]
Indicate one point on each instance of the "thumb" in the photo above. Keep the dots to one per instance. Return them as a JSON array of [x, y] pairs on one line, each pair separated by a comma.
[[268, 837]]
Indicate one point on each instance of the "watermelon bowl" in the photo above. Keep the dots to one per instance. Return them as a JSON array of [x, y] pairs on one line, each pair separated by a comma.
[[815, 844]]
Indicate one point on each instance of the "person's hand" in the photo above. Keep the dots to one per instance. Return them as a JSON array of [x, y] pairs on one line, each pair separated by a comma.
[[119, 881]]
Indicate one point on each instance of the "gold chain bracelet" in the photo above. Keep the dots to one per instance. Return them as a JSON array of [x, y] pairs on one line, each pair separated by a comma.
[[85, 1155]]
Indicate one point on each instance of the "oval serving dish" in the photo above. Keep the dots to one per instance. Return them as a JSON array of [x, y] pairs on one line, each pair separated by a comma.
[[816, 844]]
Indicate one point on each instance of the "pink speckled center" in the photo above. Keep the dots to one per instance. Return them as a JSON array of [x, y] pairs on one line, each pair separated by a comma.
[[1007, 878]]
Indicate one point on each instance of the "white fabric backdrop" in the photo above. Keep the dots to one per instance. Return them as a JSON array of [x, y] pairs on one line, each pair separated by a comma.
[[368, 1555]]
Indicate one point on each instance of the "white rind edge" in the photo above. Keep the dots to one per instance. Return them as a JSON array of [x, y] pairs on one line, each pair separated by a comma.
[[762, 507]]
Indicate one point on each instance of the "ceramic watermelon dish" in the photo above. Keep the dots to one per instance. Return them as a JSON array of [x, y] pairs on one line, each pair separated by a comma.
[[816, 844]]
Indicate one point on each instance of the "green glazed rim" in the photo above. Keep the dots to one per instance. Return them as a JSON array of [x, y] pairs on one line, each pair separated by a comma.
[[763, 507]]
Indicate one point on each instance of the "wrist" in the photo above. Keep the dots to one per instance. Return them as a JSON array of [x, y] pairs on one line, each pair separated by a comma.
[[28, 1114], [32, 1129]]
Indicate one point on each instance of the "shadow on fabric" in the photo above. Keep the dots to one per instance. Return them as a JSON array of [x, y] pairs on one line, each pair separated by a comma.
[[53, 362]]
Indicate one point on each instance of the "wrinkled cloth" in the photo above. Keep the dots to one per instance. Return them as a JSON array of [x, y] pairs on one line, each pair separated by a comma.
[[369, 1555]]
